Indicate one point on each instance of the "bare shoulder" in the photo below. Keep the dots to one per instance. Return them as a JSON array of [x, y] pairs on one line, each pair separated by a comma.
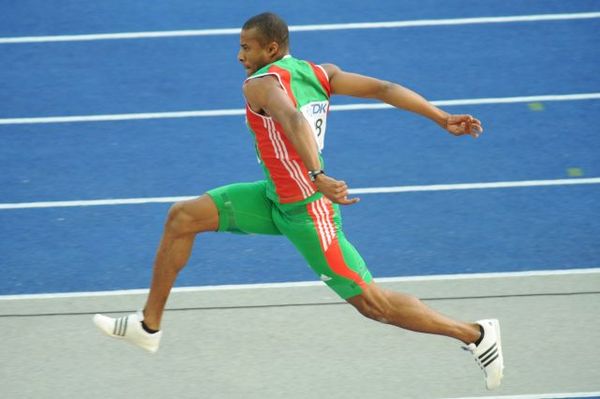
[[352, 84], [254, 84], [258, 86], [265, 93], [330, 69]]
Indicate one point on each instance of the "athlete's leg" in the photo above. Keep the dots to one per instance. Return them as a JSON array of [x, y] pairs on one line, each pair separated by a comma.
[[239, 208], [482, 339], [184, 221], [317, 233], [315, 228], [408, 312]]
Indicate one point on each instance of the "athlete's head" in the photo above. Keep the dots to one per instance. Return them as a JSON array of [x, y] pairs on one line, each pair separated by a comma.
[[264, 39]]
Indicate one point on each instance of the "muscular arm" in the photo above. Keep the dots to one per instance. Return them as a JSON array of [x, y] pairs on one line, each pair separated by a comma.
[[266, 95], [356, 85]]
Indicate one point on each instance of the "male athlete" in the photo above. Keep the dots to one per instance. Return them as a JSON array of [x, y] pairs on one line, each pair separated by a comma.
[[287, 101]]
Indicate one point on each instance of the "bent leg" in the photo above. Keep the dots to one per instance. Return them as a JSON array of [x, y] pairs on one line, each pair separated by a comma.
[[238, 208], [410, 313], [185, 219]]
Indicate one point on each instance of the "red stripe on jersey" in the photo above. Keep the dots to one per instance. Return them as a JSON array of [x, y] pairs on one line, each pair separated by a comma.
[[285, 80], [322, 76], [285, 167], [289, 158]]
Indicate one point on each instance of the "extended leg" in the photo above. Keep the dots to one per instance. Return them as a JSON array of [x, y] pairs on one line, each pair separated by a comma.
[[410, 313], [482, 339]]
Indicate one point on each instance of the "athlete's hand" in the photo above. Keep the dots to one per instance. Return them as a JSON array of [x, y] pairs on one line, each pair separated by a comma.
[[460, 125], [335, 190]]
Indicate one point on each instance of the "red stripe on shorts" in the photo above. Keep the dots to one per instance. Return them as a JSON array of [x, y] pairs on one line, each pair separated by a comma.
[[322, 212]]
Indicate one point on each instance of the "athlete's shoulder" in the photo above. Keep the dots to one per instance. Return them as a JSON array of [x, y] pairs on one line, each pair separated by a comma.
[[264, 82], [283, 62], [330, 69]]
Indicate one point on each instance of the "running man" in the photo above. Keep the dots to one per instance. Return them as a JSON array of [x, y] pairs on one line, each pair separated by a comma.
[[287, 101]]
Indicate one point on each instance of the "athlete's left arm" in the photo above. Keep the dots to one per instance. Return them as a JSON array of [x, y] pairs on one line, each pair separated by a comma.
[[356, 85]]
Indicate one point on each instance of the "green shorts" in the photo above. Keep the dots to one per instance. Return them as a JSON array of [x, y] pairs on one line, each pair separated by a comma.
[[314, 226]]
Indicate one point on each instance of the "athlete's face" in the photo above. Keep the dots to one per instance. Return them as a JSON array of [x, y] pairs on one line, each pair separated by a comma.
[[253, 55]]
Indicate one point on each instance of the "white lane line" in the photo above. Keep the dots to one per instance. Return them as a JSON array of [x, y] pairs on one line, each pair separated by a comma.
[[100, 202], [122, 117], [475, 186], [232, 287], [303, 28], [562, 395], [368, 190], [478, 101], [240, 111]]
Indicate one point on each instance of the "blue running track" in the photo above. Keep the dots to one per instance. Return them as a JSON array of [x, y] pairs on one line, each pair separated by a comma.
[[53, 249]]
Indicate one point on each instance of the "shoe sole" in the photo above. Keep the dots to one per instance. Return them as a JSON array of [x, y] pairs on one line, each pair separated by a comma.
[[496, 324], [497, 328]]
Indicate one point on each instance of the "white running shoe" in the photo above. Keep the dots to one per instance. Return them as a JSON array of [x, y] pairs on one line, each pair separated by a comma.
[[488, 354], [129, 328]]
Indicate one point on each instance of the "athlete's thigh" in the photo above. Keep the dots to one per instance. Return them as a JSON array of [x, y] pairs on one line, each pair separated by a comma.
[[315, 230], [244, 208]]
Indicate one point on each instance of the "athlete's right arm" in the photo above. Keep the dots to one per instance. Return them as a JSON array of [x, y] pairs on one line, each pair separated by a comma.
[[356, 85], [266, 95]]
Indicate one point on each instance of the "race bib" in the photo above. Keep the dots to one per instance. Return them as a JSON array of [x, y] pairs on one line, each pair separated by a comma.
[[316, 115]]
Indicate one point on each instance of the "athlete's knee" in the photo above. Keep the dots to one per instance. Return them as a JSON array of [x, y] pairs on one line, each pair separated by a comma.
[[378, 312], [190, 217], [177, 219], [375, 306], [373, 311]]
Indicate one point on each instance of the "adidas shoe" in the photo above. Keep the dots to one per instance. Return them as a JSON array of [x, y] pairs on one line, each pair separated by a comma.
[[129, 328], [488, 354]]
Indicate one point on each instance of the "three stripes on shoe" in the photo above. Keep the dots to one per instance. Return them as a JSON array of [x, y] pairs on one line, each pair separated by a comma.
[[120, 326], [487, 357]]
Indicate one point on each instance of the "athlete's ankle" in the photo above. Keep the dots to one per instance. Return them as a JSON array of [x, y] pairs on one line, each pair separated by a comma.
[[473, 335], [149, 322], [149, 330]]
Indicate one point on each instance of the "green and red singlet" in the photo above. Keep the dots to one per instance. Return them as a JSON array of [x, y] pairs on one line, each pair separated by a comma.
[[306, 84], [286, 202]]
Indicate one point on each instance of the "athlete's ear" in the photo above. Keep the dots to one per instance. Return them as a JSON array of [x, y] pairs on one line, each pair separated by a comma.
[[273, 49]]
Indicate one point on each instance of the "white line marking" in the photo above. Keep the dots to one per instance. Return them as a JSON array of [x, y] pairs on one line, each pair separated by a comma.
[[302, 28], [232, 287], [240, 111], [478, 101], [540, 396], [475, 186], [101, 202], [123, 117], [369, 190]]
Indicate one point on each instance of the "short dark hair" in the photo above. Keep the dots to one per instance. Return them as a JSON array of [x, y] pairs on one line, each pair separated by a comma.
[[272, 28]]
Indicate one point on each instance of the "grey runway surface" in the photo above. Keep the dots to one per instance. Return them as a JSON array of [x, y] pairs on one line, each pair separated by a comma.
[[301, 342]]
